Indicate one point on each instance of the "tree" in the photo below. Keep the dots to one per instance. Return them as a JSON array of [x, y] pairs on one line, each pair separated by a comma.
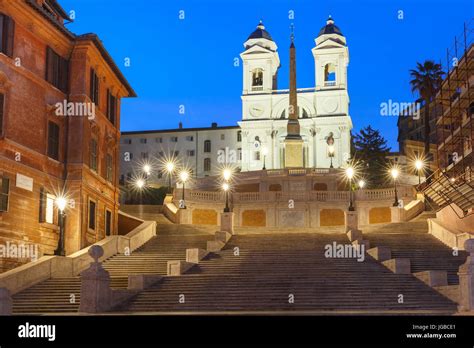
[[426, 80], [370, 152]]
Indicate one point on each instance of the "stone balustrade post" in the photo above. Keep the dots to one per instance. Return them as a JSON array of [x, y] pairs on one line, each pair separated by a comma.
[[96, 294], [466, 279], [6, 302]]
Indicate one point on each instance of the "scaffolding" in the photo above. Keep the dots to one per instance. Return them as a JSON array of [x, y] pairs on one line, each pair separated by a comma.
[[453, 182]]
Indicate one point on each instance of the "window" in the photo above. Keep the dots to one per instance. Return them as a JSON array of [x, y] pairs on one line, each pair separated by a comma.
[[176, 154], [144, 155], [57, 70], [108, 222], [174, 139], [256, 156], [142, 140], [257, 78], [190, 138], [111, 107], [190, 153], [46, 208], [161, 154], [2, 104], [207, 146], [94, 87], [329, 75], [92, 212], [53, 140], [222, 136], [7, 33], [239, 136], [127, 141], [207, 164], [93, 155], [109, 173], [159, 140], [4, 193], [239, 152]]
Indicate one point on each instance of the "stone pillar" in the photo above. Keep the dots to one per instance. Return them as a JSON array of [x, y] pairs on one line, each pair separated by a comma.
[[96, 295], [466, 279], [398, 214], [5, 302], [227, 222], [351, 220]]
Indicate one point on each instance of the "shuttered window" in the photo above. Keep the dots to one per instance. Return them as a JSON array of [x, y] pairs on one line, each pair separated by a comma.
[[94, 87], [53, 140], [2, 104], [92, 215], [109, 168], [7, 34], [4, 193], [57, 70], [93, 155], [111, 107]]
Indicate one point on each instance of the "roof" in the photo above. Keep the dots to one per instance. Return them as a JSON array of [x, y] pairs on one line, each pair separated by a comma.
[[330, 28], [93, 37], [105, 54], [179, 130], [260, 33]]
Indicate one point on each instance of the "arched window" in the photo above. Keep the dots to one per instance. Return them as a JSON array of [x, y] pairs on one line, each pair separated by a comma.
[[257, 79], [330, 75], [207, 164], [207, 146]]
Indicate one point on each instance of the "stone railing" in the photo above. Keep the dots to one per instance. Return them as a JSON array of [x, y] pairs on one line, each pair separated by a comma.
[[47, 267], [281, 196]]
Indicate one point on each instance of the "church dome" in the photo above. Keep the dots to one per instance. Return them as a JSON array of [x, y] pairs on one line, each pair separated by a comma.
[[260, 33], [330, 28]]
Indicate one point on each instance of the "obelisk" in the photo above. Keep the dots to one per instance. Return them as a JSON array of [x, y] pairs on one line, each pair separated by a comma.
[[293, 141]]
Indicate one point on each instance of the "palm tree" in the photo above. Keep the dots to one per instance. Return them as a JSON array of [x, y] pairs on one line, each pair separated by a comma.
[[427, 78]]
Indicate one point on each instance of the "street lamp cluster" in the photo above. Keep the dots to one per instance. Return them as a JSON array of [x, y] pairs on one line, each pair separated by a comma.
[[227, 175]]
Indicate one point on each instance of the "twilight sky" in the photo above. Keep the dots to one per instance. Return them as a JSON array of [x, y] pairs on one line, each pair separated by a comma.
[[190, 62]]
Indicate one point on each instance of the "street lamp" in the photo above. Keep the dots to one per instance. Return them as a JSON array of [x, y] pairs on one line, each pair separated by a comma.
[[394, 173], [147, 169], [170, 170], [61, 204], [350, 175], [265, 153], [361, 184], [227, 173], [331, 154], [183, 176], [226, 187], [419, 167], [140, 183]]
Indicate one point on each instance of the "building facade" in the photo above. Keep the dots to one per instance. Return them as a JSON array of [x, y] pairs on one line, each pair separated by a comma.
[[60, 99], [259, 140]]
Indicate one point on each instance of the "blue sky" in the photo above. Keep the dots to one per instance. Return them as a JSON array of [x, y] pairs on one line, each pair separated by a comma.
[[190, 62]]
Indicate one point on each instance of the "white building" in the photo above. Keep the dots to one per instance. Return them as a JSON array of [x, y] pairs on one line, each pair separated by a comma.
[[259, 141], [201, 150]]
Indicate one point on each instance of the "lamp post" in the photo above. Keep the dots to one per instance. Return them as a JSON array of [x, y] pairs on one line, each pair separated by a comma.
[[184, 175], [227, 174], [61, 204], [361, 184], [331, 154], [394, 172], [226, 187], [265, 153], [170, 170], [419, 167], [350, 175]]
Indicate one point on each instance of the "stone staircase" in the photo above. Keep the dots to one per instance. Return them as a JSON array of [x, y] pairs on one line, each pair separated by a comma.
[[62, 295], [271, 270], [412, 240]]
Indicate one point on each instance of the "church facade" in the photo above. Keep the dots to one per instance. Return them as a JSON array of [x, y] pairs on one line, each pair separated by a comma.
[[323, 110], [259, 140]]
